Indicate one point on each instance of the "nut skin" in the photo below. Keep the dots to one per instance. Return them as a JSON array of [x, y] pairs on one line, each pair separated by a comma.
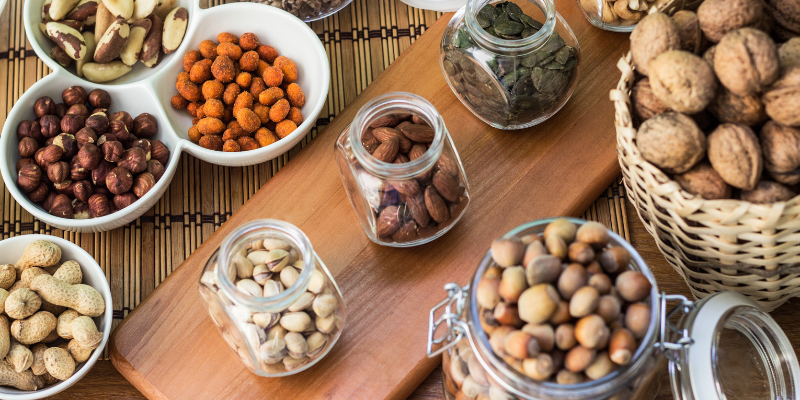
[[99, 206], [77, 172], [89, 156], [85, 135], [49, 126], [72, 123], [99, 98], [27, 147], [123, 116], [143, 183], [133, 160], [29, 177], [119, 180], [83, 190], [671, 141], [58, 171], [67, 143], [39, 194], [143, 144], [61, 207], [64, 187], [43, 106], [735, 154], [124, 200], [98, 122], [159, 152], [79, 109], [119, 130], [99, 173], [145, 125], [51, 154], [155, 168], [112, 151], [74, 95]]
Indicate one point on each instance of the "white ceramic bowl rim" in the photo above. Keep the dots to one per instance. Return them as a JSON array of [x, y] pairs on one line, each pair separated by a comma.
[[61, 78], [90, 268]]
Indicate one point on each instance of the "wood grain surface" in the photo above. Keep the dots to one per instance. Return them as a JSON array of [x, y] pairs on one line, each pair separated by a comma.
[[556, 168]]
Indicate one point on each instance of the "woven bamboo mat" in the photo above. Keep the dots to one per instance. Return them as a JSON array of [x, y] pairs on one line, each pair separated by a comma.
[[361, 41]]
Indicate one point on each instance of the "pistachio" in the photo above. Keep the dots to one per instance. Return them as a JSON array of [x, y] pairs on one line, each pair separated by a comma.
[[537, 303], [289, 276], [487, 292], [276, 332], [275, 244], [303, 302], [266, 320], [583, 302], [244, 268], [633, 286], [291, 363], [250, 287], [296, 321], [471, 388], [507, 251], [272, 288], [324, 305], [275, 260], [296, 344], [317, 283], [273, 350], [261, 274], [512, 284], [209, 278], [327, 324], [565, 337], [316, 343], [542, 269], [254, 335]]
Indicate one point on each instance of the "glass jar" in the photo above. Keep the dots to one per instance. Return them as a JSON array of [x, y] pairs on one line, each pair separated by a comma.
[[510, 84], [730, 322], [414, 195], [272, 299], [623, 15]]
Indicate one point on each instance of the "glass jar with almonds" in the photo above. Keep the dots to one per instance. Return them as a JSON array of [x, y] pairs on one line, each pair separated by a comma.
[[513, 64], [401, 171], [566, 309], [272, 299]]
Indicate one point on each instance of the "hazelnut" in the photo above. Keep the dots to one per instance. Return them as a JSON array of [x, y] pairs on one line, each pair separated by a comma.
[[124, 117], [98, 122], [40, 193], [507, 251], [119, 180], [83, 190], [48, 200], [102, 139], [85, 135], [645, 103], [99, 98], [159, 152], [633, 286], [538, 303], [143, 183], [735, 154], [51, 154], [72, 123], [683, 81], [782, 100], [746, 61], [77, 172], [89, 156], [103, 190], [79, 109], [729, 107], [145, 125], [119, 130], [99, 206], [74, 95], [23, 128], [29, 177], [143, 144], [133, 160], [67, 143], [27, 147], [80, 209], [64, 187], [718, 17], [637, 319], [38, 157], [671, 141], [99, 173], [155, 168], [112, 151], [43, 106], [61, 207], [124, 200], [58, 171], [654, 34], [572, 278], [49, 125], [703, 181], [767, 192], [24, 161]]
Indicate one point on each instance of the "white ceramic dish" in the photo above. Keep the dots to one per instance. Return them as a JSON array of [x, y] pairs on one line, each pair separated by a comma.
[[150, 91], [437, 5], [11, 250]]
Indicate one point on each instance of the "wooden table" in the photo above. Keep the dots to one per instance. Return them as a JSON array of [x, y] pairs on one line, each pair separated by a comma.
[[104, 382]]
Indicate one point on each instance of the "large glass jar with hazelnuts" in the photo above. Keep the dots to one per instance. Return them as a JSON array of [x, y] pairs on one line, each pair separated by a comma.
[[401, 171]]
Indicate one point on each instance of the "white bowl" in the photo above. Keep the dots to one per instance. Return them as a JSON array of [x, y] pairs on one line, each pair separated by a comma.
[[150, 90], [11, 251]]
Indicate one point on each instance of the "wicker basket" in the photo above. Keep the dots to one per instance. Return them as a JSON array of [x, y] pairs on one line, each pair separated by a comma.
[[714, 245]]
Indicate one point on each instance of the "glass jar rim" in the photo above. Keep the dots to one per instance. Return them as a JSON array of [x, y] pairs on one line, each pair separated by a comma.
[[525, 45], [585, 390], [242, 235], [380, 106]]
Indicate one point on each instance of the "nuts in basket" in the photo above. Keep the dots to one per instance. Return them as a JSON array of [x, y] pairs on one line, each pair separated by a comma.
[[742, 95], [106, 38], [241, 94], [88, 162]]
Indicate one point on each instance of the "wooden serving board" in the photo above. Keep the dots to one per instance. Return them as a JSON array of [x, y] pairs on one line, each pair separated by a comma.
[[169, 349]]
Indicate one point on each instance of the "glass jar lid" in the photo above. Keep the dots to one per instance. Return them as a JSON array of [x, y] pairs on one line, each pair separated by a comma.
[[436, 5], [731, 349]]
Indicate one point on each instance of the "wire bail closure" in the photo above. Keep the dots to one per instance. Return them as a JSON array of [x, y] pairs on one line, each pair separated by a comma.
[[456, 327], [672, 350]]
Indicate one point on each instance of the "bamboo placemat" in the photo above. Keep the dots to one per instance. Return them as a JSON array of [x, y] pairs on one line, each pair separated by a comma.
[[361, 41]]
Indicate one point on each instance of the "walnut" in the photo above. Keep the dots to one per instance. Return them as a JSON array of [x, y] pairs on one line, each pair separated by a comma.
[[787, 17], [782, 100], [708, 56], [781, 148], [789, 53], [718, 17], [671, 141], [654, 34], [728, 107], [767, 192], [691, 36], [746, 61], [735, 154], [645, 103], [703, 181], [682, 81]]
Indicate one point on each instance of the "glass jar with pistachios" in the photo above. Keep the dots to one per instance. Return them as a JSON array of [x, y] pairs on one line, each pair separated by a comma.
[[272, 299], [401, 171], [513, 64]]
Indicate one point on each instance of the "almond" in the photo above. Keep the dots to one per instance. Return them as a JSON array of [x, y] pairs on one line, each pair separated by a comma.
[[387, 222], [383, 134], [408, 187], [436, 206], [406, 233], [446, 186], [448, 165], [416, 152], [419, 133], [386, 120], [387, 151], [418, 210]]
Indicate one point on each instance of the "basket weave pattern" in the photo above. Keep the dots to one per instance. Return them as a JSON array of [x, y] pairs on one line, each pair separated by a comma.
[[714, 245]]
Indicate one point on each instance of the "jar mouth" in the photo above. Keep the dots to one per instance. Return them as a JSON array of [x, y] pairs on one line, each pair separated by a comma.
[[259, 230], [397, 103], [622, 376], [524, 45]]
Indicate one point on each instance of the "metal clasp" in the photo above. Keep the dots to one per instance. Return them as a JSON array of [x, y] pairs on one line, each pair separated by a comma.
[[456, 327], [670, 349]]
